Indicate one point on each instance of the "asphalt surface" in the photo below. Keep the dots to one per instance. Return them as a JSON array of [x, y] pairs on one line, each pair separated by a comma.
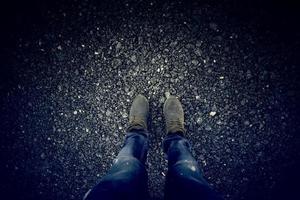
[[71, 70]]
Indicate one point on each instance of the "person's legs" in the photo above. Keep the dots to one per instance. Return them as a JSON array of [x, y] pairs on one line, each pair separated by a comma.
[[127, 178], [184, 178]]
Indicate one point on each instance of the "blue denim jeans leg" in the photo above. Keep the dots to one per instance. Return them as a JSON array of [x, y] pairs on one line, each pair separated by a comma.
[[184, 179], [127, 178]]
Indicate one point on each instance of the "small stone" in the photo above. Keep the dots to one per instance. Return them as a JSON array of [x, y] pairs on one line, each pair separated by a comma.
[[162, 100], [133, 58], [124, 115], [118, 46], [130, 93], [59, 88], [199, 120], [212, 113], [75, 112], [221, 77], [116, 63], [198, 52], [208, 128], [167, 94], [219, 122], [246, 123], [108, 113], [243, 102], [195, 62]]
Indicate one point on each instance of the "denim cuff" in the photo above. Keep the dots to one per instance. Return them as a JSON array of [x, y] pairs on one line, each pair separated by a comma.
[[173, 137], [142, 132], [136, 143]]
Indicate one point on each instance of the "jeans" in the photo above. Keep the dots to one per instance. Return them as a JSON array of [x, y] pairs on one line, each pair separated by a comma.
[[127, 178]]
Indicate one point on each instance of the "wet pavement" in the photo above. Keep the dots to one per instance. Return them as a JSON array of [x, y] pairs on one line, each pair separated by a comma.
[[73, 69]]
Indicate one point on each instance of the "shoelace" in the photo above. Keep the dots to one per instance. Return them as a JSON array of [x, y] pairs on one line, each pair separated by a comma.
[[174, 123], [137, 121]]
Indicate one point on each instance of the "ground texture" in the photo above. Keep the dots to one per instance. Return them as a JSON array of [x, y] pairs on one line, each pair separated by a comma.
[[70, 76]]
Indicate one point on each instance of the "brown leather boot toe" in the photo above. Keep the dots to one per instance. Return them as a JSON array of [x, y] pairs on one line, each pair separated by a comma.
[[174, 116], [139, 113]]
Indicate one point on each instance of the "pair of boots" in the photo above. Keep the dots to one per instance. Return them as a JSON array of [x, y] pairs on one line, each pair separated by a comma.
[[173, 113]]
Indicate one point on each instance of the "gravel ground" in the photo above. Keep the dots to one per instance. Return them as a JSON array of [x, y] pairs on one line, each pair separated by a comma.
[[71, 75]]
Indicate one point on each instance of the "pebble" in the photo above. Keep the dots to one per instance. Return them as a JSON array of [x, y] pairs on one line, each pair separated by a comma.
[[167, 94], [212, 113], [108, 113], [133, 58]]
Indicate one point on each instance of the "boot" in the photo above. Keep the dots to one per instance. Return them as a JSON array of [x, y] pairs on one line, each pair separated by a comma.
[[139, 113], [174, 116]]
